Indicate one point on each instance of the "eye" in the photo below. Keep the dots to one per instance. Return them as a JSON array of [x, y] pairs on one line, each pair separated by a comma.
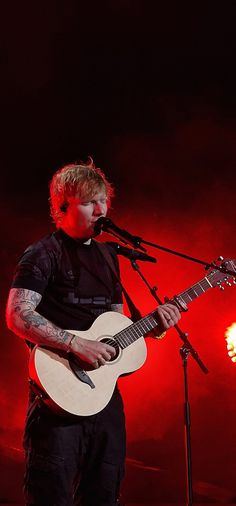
[[86, 203]]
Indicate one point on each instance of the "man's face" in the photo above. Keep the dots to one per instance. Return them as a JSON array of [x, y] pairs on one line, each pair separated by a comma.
[[82, 213]]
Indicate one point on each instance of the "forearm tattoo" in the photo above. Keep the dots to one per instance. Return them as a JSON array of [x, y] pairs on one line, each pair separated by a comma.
[[33, 320], [30, 324]]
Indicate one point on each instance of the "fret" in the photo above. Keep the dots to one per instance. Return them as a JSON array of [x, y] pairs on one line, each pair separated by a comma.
[[149, 322], [145, 326], [121, 339], [210, 285], [141, 328], [199, 289], [153, 322], [205, 284], [132, 335], [186, 297], [121, 342], [192, 295], [135, 331], [195, 291]]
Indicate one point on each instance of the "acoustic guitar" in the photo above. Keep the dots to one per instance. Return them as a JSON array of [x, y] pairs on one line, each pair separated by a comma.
[[74, 386]]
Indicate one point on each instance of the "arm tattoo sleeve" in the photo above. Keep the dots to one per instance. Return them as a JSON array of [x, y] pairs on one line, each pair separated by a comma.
[[25, 321]]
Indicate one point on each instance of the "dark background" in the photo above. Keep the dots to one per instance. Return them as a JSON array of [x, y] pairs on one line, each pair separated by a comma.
[[148, 90]]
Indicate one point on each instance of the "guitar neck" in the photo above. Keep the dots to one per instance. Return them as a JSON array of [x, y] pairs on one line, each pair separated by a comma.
[[141, 328]]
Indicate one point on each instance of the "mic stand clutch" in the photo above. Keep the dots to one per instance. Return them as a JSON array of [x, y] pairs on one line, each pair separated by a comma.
[[185, 350]]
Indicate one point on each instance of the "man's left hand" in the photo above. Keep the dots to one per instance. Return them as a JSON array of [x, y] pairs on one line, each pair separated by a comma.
[[168, 315]]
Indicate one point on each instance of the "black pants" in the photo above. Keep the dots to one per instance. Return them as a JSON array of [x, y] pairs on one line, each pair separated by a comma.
[[76, 461]]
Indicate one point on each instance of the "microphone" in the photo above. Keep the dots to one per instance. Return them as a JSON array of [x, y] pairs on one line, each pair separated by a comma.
[[106, 225], [132, 254]]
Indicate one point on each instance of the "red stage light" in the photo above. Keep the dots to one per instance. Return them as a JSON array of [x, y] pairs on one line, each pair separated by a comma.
[[230, 336]]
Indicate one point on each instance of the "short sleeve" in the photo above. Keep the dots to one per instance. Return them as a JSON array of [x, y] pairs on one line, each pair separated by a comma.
[[34, 269]]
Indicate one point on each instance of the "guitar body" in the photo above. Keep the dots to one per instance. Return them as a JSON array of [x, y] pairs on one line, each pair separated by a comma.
[[51, 370]]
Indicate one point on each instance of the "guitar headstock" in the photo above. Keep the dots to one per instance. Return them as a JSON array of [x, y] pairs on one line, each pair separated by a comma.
[[225, 274]]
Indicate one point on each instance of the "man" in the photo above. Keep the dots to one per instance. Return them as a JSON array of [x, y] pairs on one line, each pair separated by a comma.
[[64, 282]]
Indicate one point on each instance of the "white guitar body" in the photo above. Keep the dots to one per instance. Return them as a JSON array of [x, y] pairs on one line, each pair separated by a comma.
[[51, 370]]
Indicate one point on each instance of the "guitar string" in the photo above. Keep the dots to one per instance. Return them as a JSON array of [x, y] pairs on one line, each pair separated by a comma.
[[134, 328]]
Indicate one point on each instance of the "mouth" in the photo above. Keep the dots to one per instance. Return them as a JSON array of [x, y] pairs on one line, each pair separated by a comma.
[[95, 221]]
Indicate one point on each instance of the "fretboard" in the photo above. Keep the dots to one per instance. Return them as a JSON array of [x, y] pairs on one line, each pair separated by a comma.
[[150, 321]]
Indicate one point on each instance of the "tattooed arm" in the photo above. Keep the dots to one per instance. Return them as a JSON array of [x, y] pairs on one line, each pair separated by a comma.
[[23, 319]]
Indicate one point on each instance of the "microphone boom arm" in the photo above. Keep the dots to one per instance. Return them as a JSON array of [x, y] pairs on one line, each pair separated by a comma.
[[107, 225]]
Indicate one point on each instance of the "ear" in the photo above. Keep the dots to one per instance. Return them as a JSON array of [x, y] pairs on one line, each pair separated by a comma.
[[64, 207]]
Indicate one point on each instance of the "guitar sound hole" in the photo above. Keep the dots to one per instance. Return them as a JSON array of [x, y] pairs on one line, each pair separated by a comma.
[[113, 343]]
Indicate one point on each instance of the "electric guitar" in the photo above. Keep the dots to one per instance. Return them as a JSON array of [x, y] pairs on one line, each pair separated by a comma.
[[72, 386]]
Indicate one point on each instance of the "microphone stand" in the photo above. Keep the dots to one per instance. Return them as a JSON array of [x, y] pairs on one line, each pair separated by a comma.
[[136, 241], [185, 350]]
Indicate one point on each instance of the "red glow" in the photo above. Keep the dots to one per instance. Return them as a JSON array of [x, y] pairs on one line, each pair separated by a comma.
[[230, 335], [153, 396]]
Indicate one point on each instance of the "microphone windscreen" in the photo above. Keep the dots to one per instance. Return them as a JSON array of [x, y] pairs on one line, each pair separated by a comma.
[[101, 224]]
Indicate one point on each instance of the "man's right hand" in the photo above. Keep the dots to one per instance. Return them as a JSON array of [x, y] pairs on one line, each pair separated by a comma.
[[95, 353]]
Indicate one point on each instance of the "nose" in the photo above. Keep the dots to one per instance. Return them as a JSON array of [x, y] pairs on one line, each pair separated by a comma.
[[98, 209]]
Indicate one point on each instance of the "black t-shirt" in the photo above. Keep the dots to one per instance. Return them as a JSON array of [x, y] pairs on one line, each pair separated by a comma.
[[73, 278]]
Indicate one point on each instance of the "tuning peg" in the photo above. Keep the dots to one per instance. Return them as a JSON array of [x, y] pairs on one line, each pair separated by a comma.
[[220, 258], [234, 281], [221, 287], [228, 283]]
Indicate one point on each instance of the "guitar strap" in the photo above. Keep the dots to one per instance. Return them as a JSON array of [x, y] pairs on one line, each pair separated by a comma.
[[134, 311]]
